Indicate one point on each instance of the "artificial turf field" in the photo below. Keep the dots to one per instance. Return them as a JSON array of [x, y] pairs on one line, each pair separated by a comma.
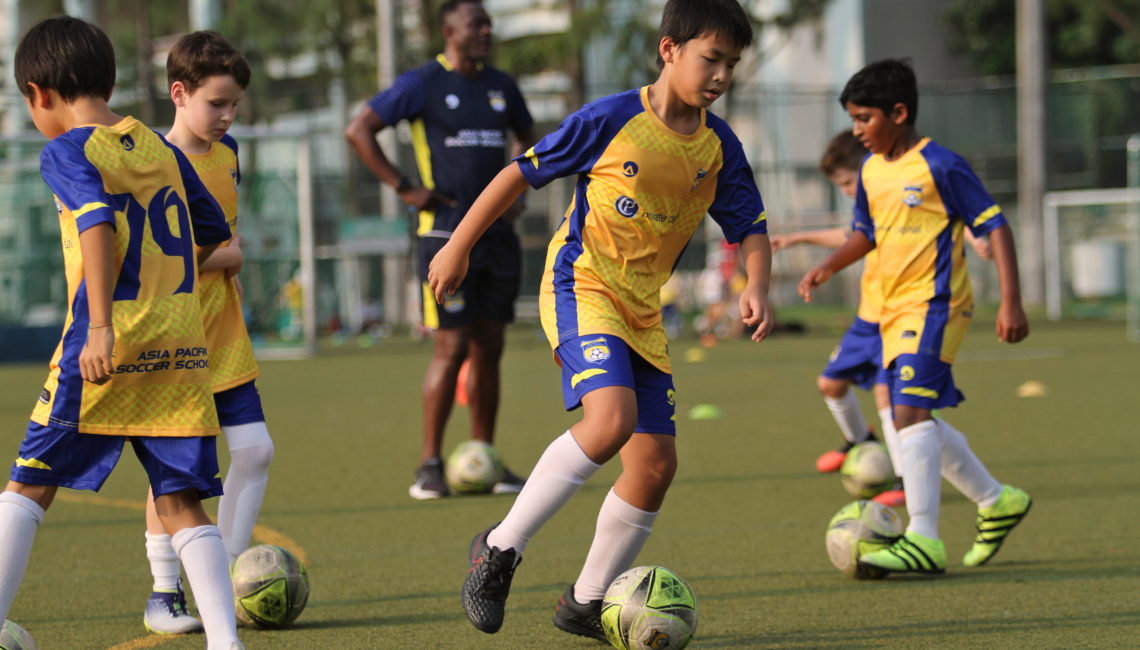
[[744, 521]]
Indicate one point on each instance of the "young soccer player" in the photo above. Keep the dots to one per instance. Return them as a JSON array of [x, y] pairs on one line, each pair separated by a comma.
[[208, 78], [913, 200], [649, 164], [858, 357], [132, 362]]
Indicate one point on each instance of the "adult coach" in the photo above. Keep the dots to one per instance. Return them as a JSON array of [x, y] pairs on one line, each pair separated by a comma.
[[459, 110]]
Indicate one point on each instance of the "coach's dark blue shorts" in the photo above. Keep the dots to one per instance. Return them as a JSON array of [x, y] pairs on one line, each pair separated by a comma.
[[924, 382], [488, 291], [599, 360], [859, 356], [83, 461], [239, 405]]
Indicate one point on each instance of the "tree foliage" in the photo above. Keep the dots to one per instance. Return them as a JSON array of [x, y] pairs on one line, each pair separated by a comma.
[[1081, 33]]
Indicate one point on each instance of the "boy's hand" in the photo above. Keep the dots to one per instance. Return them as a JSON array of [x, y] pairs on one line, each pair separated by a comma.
[[756, 311], [1012, 325], [95, 360], [421, 198], [813, 279], [447, 270], [982, 248], [780, 241]]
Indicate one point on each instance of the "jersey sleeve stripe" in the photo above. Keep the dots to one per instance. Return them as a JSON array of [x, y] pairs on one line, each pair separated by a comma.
[[992, 212], [87, 208], [763, 217]]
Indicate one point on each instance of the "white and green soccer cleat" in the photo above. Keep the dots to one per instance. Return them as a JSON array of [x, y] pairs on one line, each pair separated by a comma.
[[912, 553], [166, 613], [995, 523]]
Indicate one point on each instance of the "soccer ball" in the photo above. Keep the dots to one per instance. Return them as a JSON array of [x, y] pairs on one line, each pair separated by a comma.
[[14, 637], [473, 468], [859, 528], [649, 607], [271, 587], [867, 470]]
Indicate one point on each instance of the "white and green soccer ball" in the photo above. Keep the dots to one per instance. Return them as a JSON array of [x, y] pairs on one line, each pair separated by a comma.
[[14, 637], [271, 587], [867, 470], [860, 528], [473, 468], [649, 608]]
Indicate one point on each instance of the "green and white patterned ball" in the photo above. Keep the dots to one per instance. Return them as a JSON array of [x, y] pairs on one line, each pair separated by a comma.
[[271, 587], [473, 468], [649, 608], [14, 637], [860, 528], [867, 470]]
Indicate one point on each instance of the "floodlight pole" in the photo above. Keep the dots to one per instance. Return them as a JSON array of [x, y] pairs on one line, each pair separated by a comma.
[[390, 204], [1032, 63], [1133, 280]]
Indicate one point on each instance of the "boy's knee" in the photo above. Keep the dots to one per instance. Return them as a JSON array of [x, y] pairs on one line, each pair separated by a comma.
[[833, 388]]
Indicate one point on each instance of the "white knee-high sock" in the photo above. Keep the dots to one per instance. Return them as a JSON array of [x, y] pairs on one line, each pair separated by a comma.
[[922, 473], [204, 556], [164, 564], [891, 438], [563, 468], [848, 415], [251, 451], [19, 519], [962, 468], [621, 533]]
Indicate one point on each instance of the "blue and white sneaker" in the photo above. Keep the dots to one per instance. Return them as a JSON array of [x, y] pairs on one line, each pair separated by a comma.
[[166, 613]]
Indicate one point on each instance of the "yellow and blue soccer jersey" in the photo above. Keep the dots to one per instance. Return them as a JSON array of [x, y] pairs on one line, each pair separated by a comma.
[[914, 210], [870, 289], [641, 192], [129, 176], [231, 353]]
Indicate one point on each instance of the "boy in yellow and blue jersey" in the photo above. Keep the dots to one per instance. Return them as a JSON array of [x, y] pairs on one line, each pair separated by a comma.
[[649, 164], [132, 363], [208, 78], [914, 200]]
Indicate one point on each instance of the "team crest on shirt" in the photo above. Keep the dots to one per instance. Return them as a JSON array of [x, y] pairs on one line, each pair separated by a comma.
[[595, 351], [498, 102], [906, 373], [626, 206], [912, 196], [233, 175], [454, 303], [127, 141], [452, 101], [701, 173]]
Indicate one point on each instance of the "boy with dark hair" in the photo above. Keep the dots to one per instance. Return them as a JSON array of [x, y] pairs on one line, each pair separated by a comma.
[[650, 163], [132, 288], [208, 78], [912, 203]]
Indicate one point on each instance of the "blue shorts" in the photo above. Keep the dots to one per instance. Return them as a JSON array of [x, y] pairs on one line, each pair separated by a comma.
[[83, 461], [600, 360], [859, 356], [239, 405], [924, 382]]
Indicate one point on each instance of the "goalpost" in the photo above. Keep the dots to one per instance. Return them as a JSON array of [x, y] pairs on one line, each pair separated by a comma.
[[1101, 243]]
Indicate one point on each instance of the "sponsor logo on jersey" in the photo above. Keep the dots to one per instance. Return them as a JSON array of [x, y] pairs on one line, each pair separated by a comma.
[[912, 196], [661, 218], [452, 101], [909, 334], [476, 138], [629, 169], [454, 303], [596, 350], [626, 206], [45, 396], [127, 141], [906, 373], [498, 102], [701, 173]]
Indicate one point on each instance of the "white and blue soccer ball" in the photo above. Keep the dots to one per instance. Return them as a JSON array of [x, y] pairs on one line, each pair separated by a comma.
[[14, 637], [473, 468], [867, 470], [649, 607], [271, 587]]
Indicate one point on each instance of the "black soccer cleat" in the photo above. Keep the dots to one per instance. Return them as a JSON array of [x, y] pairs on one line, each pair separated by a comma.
[[510, 483], [430, 483], [583, 619], [488, 583]]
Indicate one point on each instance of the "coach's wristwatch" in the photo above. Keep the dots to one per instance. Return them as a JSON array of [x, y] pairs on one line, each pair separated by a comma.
[[404, 185]]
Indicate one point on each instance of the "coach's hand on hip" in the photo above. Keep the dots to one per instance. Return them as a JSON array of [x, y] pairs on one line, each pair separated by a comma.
[[421, 198], [447, 270]]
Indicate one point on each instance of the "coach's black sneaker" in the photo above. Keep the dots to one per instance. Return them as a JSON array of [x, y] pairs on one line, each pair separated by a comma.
[[510, 483], [488, 583], [583, 619], [430, 483]]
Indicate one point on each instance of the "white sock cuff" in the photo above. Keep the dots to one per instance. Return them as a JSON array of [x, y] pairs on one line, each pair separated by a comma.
[[37, 513], [572, 452], [183, 537], [628, 514], [847, 401], [929, 427], [159, 544], [245, 436], [887, 415]]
